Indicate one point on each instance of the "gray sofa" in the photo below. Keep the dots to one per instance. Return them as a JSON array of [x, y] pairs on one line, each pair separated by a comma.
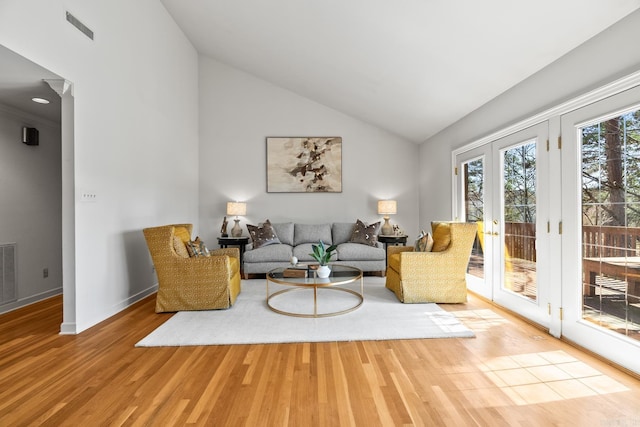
[[296, 240]]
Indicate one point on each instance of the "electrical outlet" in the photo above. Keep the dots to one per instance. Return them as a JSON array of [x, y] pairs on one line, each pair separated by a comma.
[[45, 273], [88, 196]]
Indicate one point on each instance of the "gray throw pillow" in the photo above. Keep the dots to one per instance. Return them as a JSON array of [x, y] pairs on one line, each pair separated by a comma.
[[424, 243], [197, 248], [262, 235], [365, 234]]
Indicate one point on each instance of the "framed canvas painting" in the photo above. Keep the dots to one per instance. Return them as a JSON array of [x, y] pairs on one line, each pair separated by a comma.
[[304, 164]]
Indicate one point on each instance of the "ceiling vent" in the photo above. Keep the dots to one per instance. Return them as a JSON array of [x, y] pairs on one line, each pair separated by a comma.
[[79, 25]]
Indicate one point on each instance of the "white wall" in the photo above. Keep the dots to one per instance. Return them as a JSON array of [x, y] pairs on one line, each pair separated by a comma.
[[30, 204], [606, 57], [135, 134], [238, 112]]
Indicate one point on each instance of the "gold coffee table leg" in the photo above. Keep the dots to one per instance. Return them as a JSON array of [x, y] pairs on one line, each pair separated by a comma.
[[315, 307], [315, 301], [344, 276]]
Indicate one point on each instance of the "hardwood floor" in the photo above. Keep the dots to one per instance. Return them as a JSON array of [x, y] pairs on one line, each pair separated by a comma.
[[511, 374]]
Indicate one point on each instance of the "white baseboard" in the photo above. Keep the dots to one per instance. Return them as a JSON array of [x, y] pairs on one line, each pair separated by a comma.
[[23, 302], [135, 298], [68, 328], [71, 328], [74, 328]]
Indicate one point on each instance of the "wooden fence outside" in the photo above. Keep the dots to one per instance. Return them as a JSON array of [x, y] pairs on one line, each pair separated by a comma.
[[607, 241], [597, 241], [520, 240]]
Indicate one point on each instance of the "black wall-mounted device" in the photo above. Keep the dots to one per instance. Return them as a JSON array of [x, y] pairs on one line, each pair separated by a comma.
[[30, 136]]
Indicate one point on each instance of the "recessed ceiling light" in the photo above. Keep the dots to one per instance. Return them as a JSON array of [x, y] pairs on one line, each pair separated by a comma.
[[40, 100]]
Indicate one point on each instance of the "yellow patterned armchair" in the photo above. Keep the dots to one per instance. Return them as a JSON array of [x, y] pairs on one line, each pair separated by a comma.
[[433, 276], [191, 283]]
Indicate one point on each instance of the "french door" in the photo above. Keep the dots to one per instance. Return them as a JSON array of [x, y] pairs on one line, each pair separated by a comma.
[[474, 205], [559, 224], [503, 187], [601, 240]]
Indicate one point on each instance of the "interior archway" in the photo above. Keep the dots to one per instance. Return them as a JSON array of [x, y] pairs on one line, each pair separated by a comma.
[[20, 80]]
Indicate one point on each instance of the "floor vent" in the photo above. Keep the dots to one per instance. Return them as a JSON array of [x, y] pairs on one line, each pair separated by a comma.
[[8, 283]]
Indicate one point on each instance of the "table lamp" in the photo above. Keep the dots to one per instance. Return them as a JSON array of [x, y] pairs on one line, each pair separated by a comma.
[[386, 208], [236, 208]]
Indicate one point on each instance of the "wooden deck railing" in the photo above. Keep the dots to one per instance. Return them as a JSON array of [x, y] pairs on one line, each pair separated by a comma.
[[608, 241], [520, 240], [612, 252], [597, 241], [606, 250]]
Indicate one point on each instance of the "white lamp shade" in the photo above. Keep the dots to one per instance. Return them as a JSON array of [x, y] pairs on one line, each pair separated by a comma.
[[236, 208], [387, 207]]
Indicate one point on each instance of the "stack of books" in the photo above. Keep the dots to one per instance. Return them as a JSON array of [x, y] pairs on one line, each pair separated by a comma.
[[294, 272]]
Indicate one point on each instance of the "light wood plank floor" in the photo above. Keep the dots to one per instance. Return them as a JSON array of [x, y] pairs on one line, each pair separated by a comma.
[[511, 374]]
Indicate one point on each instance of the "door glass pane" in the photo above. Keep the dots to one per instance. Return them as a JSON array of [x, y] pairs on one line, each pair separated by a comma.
[[474, 211], [519, 218], [611, 223]]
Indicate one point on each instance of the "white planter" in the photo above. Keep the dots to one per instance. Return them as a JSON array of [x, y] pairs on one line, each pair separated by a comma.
[[323, 271]]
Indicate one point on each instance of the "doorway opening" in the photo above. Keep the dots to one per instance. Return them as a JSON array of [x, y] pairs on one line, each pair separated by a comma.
[[40, 182]]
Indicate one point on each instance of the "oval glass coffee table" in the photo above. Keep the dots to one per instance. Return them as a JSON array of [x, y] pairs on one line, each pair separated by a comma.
[[340, 275]]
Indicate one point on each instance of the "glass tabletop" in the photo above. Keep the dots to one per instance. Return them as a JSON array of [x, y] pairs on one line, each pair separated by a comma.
[[300, 276]]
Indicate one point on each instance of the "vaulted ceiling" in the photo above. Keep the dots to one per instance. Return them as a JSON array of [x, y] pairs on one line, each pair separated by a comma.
[[412, 67]]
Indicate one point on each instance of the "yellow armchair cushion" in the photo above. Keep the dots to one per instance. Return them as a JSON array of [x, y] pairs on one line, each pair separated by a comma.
[[394, 261], [441, 236], [183, 234], [180, 247], [234, 263], [393, 255]]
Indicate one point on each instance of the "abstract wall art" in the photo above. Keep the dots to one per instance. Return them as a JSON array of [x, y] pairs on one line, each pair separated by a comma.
[[304, 164]]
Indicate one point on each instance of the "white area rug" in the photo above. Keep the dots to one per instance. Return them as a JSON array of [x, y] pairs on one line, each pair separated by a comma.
[[250, 321]]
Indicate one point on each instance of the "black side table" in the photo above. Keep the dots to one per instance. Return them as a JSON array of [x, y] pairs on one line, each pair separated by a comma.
[[241, 242], [391, 239]]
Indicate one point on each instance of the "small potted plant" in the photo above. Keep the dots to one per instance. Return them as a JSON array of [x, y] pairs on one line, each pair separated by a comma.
[[322, 254]]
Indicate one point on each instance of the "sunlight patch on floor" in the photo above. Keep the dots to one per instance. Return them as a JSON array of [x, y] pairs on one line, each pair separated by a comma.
[[479, 320], [547, 376]]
